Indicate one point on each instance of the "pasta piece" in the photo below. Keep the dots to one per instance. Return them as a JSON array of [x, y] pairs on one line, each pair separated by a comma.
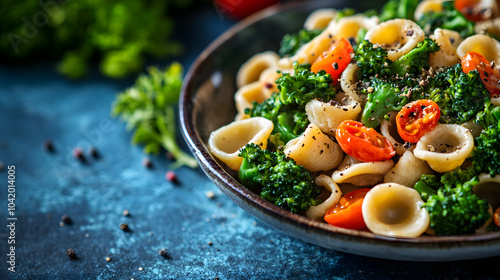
[[483, 44], [250, 70], [448, 41], [445, 147], [491, 26], [320, 19], [318, 212], [489, 189], [314, 150], [360, 173], [225, 143], [389, 130], [392, 209], [348, 81], [407, 170], [247, 94], [346, 27], [268, 79], [428, 6], [398, 36], [327, 116], [495, 101]]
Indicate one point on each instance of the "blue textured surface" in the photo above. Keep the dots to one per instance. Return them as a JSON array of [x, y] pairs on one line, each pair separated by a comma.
[[205, 238]]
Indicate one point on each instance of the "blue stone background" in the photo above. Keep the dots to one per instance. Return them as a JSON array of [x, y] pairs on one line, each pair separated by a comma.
[[205, 238]]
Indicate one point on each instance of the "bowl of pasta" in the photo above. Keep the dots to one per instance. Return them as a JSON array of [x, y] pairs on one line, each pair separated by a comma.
[[372, 132]]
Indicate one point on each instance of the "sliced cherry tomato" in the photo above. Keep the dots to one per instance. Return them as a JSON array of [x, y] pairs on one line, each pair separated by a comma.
[[491, 78], [363, 143], [238, 9], [334, 60], [416, 119], [347, 212], [496, 217], [473, 10]]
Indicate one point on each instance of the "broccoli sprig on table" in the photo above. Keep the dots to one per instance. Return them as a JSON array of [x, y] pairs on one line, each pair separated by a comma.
[[148, 107], [277, 178], [453, 207], [286, 109]]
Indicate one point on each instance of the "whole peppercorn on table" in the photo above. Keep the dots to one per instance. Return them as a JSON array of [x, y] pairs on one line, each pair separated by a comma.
[[88, 205]]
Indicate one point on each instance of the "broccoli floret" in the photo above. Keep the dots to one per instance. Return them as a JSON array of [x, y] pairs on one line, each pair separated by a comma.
[[453, 208], [287, 109], [305, 85], [416, 60], [371, 61], [460, 96], [289, 120], [384, 96], [486, 153], [277, 178], [290, 43], [398, 9], [448, 18]]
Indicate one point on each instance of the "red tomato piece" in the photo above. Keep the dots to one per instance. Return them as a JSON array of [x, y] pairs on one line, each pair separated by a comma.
[[496, 217], [491, 78], [363, 143], [347, 212], [334, 60], [471, 9], [416, 119], [239, 9]]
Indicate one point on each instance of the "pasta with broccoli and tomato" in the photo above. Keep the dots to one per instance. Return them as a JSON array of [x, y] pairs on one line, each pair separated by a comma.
[[387, 122]]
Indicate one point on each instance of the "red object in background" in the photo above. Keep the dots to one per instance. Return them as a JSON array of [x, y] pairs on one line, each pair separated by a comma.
[[239, 9]]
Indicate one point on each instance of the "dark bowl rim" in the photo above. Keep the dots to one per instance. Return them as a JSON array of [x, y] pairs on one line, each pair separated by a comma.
[[216, 172]]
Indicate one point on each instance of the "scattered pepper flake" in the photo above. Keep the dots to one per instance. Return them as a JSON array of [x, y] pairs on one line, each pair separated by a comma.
[[78, 153], [147, 163], [210, 194], [171, 176], [66, 219], [93, 152], [124, 227], [108, 259], [71, 254], [126, 213], [48, 146]]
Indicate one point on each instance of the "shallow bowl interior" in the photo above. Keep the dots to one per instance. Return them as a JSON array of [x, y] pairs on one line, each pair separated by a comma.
[[207, 103]]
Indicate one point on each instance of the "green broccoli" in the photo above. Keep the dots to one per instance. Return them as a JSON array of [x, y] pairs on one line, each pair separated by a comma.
[[290, 43], [416, 60], [460, 96], [287, 109], [278, 179], [384, 96], [449, 18], [371, 61], [486, 153], [398, 9], [305, 85], [453, 208]]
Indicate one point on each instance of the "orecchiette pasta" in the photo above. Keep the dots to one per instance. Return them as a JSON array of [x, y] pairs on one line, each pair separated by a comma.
[[398, 36], [360, 173], [448, 41], [314, 150], [320, 19], [392, 209], [489, 189], [251, 70], [445, 147], [318, 212], [348, 81], [428, 6], [482, 44], [249, 93], [407, 170], [225, 142], [327, 116]]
